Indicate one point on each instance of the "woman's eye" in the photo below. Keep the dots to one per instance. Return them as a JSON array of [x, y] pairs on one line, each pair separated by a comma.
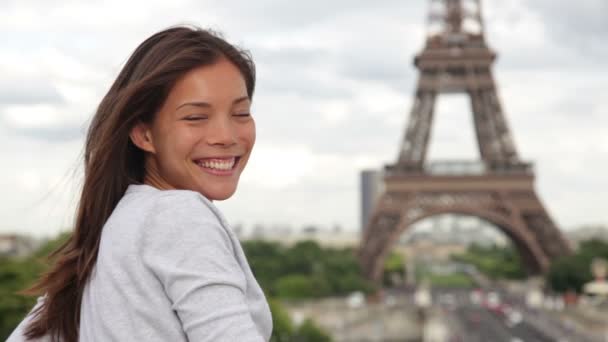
[[195, 118], [242, 115]]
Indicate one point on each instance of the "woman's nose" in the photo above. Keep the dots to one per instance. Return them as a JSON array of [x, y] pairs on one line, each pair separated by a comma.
[[221, 132]]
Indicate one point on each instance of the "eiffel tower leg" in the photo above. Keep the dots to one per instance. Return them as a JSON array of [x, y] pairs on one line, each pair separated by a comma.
[[378, 235], [531, 264], [538, 222], [502, 131], [415, 142], [493, 135], [529, 213], [485, 130], [533, 259]]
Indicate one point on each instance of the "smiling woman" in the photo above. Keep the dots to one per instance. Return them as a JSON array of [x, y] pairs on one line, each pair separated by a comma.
[[202, 135], [151, 258]]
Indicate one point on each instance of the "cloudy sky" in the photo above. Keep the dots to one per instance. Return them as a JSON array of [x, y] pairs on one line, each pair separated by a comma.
[[335, 84]]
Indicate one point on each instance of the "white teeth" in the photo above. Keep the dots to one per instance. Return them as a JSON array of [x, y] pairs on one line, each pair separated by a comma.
[[218, 165]]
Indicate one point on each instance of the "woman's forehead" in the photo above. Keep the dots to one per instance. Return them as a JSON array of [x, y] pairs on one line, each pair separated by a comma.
[[218, 82]]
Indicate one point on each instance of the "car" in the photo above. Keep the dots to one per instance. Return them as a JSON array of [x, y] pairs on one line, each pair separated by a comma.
[[514, 317], [476, 297], [492, 301], [448, 301]]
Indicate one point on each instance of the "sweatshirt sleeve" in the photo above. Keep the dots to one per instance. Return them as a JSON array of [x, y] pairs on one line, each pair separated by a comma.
[[191, 254]]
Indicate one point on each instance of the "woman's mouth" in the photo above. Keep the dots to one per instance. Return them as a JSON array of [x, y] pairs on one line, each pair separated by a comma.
[[218, 165]]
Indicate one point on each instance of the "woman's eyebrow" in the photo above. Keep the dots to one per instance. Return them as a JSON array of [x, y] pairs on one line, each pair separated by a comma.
[[196, 104], [240, 99], [203, 104]]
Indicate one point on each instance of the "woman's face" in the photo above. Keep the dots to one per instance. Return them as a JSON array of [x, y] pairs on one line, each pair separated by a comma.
[[202, 136]]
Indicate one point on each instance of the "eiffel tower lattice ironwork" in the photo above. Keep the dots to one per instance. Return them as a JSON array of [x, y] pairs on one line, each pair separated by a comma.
[[498, 189]]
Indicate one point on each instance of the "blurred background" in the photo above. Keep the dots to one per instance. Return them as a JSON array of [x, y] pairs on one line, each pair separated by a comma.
[[335, 88]]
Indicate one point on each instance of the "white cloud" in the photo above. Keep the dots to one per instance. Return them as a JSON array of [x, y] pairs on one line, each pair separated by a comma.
[[41, 115], [279, 167], [38, 184]]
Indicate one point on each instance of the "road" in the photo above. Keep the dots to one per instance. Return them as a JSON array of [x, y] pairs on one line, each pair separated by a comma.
[[479, 324], [504, 319], [453, 317]]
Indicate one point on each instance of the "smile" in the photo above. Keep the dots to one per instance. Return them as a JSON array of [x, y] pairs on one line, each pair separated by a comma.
[[218, 164]]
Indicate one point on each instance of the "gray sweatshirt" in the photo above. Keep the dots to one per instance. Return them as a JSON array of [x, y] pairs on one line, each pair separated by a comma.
[[170, 269]]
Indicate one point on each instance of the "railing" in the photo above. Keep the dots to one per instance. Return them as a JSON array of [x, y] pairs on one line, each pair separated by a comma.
[[461, 168]]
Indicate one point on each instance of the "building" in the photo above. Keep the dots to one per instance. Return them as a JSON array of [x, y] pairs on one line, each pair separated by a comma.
[[372, 186], [13, 245]]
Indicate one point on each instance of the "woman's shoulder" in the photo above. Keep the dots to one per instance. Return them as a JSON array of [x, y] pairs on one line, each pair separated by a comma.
[[172, 203], [183, 207], [178, 213], [147, 216], [184, 225]]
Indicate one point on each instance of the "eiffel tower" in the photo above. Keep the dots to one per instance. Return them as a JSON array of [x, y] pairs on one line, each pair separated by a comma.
[[498, 189]]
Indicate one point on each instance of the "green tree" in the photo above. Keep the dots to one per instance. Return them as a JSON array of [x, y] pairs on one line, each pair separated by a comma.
[[282, 328], [17, 274], [494, 261], [305, 257], [266, 261], [393, 265], [573, 271], [309, 332], [304, 270], [299, 286]]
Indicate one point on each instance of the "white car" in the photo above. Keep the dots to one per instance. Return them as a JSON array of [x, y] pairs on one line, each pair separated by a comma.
[[492, 300], [476, 297]]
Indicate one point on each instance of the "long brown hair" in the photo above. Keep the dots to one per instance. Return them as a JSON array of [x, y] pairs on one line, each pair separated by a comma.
[[112, 162]]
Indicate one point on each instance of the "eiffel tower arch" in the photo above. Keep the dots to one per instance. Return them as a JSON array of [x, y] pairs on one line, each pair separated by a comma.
[[498, 189]]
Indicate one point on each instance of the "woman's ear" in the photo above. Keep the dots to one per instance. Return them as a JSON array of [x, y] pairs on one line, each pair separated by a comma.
[[141, 136]]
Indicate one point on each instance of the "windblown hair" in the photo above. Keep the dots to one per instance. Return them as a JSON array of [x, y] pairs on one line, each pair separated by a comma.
[[112, 162]]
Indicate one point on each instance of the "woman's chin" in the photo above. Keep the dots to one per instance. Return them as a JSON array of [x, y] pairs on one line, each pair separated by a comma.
[[218, 194]]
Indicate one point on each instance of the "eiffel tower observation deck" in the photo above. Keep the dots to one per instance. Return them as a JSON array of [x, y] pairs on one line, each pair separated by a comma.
[[498, 188]]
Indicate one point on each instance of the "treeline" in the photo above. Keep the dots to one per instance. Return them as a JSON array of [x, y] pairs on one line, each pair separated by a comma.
[[304, 270], [496, 262], [568, 273], [283, 329], [16, 274]]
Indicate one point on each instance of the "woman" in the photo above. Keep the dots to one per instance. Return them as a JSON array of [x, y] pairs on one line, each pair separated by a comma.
[[151, 258]]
